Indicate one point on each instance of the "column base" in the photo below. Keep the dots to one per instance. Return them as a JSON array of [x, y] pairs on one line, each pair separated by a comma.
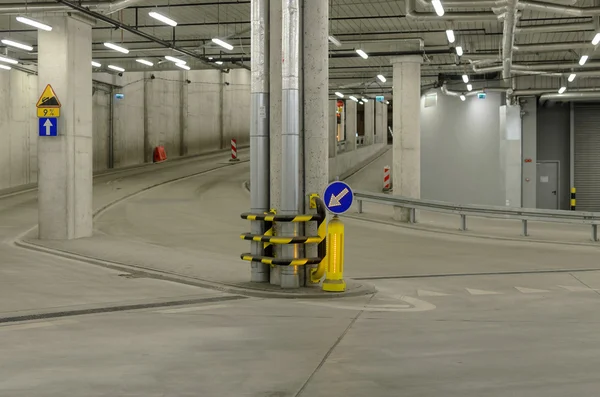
[[334, 285]]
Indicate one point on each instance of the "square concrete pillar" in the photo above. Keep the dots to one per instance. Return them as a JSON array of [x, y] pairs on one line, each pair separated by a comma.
[[65, 161], [379, 129], [369, 122], [351, 125], [332, 128], [407, 130]]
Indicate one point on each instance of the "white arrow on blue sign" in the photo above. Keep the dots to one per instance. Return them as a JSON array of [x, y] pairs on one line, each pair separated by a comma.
[[338, 197], [48, 126]]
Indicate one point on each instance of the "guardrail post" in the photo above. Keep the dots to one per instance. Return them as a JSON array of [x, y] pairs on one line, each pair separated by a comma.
[[412, 215], [524, 227], [594, 232], [463, 222], [360, 209]]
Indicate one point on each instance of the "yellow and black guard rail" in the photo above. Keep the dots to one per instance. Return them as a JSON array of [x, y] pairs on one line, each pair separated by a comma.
[[573, 199], [320, 217]]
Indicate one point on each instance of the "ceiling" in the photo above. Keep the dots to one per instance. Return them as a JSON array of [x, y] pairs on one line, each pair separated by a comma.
[[380, 27]]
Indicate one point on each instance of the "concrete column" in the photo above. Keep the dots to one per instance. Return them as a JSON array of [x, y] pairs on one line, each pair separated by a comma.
[[529, 155], [383, 137], [510, 153], [369, 123], [378, 118], [407, 130], [332, 128], [65, 161], [316, 110], [275, 120], [183, 120], [350, 110]]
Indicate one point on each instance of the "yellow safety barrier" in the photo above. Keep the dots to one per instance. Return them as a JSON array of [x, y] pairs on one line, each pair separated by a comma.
[[573, 199], [334, 281], [268, 238]]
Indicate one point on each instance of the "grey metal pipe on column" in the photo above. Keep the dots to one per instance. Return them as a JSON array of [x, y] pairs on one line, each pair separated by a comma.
[[291, 188], [508, 36], [259, 129]]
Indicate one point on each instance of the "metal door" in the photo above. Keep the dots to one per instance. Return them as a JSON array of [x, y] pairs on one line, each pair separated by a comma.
[[547, 185]]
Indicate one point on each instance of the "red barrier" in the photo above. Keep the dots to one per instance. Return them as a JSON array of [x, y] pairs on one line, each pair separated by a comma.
[[233, 150], [160, 154], [386, 178]]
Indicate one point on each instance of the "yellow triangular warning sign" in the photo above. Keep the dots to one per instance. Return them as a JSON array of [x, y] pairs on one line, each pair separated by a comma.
[[48, 99]]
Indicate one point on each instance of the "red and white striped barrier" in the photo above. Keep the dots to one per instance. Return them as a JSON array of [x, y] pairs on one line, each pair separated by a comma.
[[234, 150], [386, 178]]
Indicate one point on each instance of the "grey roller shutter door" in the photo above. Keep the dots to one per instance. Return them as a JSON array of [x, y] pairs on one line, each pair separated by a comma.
[[587, 156]]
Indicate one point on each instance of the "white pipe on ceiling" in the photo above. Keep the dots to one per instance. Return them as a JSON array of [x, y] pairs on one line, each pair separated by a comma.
[[25, 8], [508, 37], [552, 8], [571, 96], [412, 13]]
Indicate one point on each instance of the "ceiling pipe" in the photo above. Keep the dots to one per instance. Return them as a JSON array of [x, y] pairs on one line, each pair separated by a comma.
[[135, 31], [566, 10], [463, 3], [413, 14], [538, 67], [571, 96], [106, 7], [549, 47], [556, 27]]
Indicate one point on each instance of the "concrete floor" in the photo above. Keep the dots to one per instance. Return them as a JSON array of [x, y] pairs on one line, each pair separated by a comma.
[[532, 334]]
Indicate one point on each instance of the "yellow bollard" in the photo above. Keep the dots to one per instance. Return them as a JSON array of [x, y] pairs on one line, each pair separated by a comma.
[[334, 280]]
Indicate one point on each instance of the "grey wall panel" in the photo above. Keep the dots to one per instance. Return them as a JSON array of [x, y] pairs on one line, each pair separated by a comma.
[[587, 156], [460, 150], [553, 143]]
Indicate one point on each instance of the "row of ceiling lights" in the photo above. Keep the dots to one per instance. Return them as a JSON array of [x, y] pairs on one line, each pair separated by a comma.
[[160, 17]]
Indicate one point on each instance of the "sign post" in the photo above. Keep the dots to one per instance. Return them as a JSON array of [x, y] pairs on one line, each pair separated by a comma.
[[48, 111]]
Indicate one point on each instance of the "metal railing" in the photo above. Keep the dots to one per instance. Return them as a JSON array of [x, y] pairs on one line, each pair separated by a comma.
[[482, 211]]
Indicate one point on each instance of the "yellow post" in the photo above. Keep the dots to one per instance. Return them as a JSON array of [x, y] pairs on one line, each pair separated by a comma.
[[334, 280]]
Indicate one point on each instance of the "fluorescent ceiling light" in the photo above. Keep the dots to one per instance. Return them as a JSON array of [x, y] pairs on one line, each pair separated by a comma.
[[96, 64], [362, 53], [118, 69], [34, 23], [8, 60], [339, 94], [162, 18], [173, 59], [465, 78], [562, 89], [5, 67], [361, 102], [353, 98], [572, 77], [219, 62], [463, 98], [335, 41], [381, 78], [210, 58], [583, 59], [469, 87], [365, 100], [459, 51], [116, 48], [387, 102], [223, 44], [17, 45], [182, 66], [596, 39], [144, 62], [450, 35], [437, 6]]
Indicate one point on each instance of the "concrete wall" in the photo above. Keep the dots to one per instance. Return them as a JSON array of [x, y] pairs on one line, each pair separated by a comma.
[[18, 128], [460, 150], [187, 112], [345, 163], [553, 143]]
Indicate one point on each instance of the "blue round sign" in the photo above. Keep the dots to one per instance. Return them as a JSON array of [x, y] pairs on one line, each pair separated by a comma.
[[338, 197]]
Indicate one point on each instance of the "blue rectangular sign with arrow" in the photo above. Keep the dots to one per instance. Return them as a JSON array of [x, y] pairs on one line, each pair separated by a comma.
[[48, 126]]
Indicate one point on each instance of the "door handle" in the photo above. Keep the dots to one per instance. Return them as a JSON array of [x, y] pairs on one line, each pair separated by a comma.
[[554, 192]]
